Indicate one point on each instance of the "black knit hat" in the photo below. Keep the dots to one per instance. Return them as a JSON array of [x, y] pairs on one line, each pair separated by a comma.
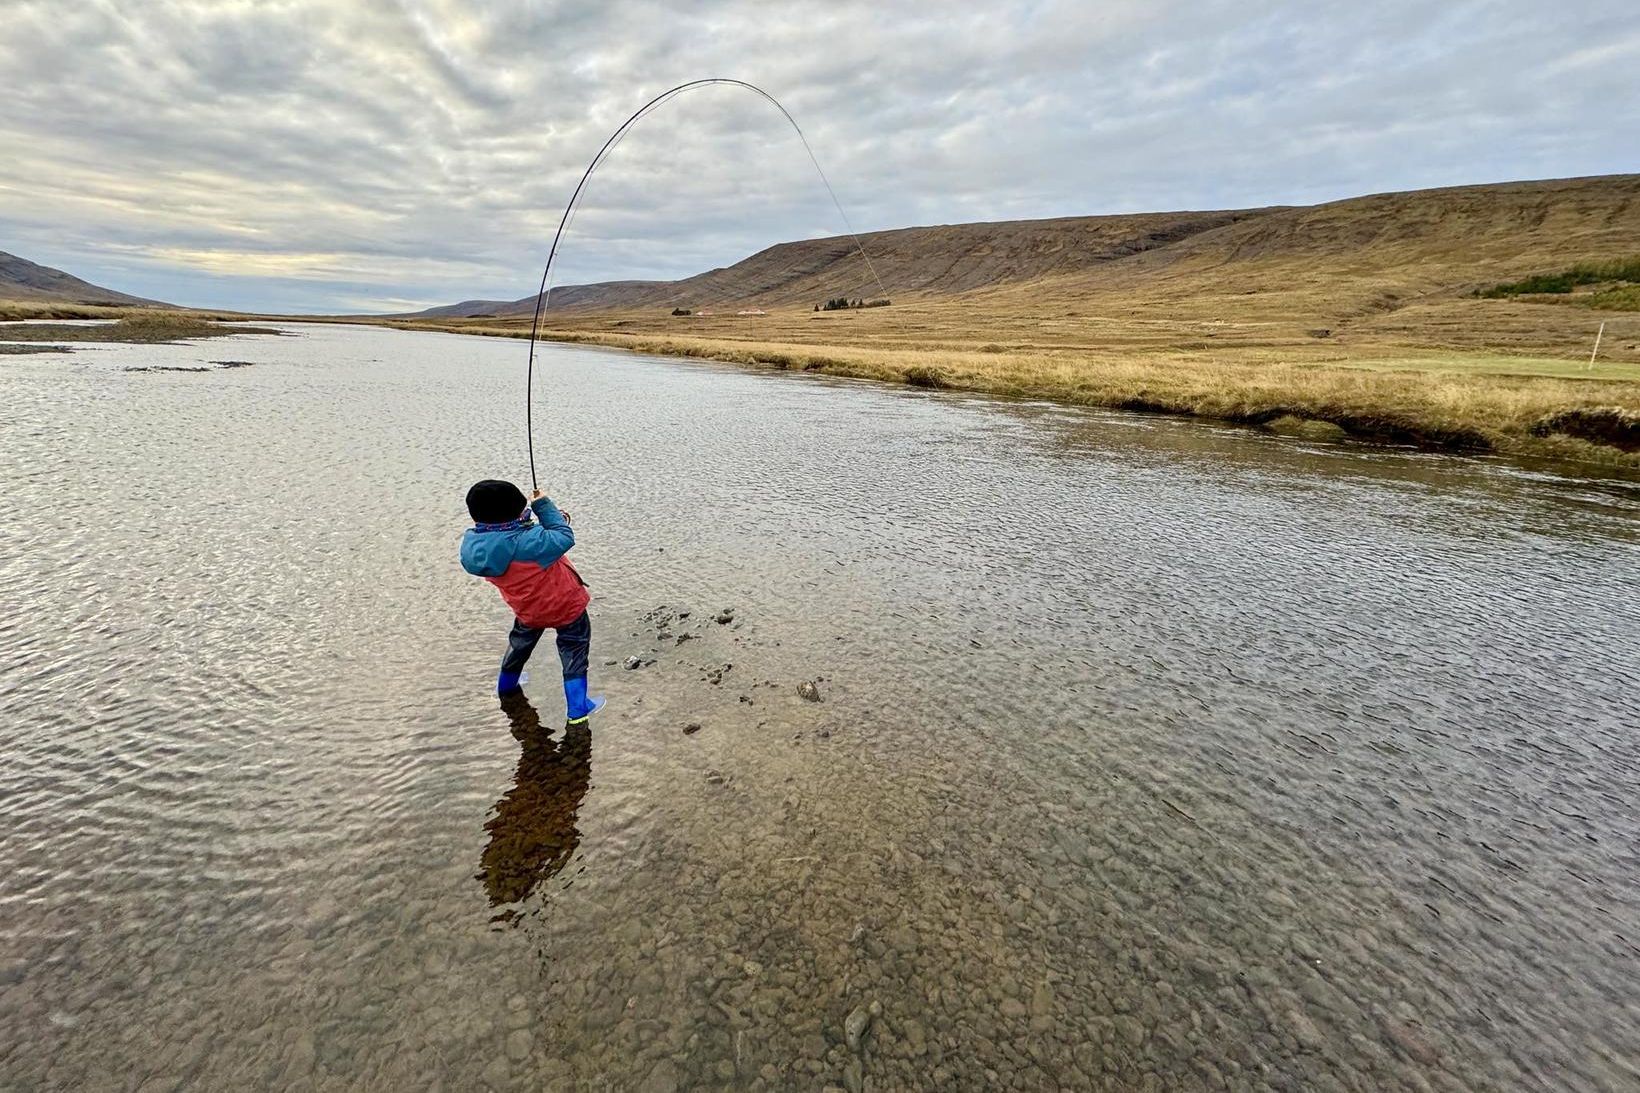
[[493, 502]]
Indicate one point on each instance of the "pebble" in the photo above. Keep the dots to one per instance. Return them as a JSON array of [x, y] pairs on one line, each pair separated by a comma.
[[915, 1037], [1304, 1031], [662, 1079], [855, 1026], [692, 728], [1130, 1029], [497, 1073], [727, 615], [809, 691], [1412, 1042], [632, 663]]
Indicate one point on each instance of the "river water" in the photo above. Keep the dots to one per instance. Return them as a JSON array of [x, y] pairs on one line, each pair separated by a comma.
[[1149, 754]]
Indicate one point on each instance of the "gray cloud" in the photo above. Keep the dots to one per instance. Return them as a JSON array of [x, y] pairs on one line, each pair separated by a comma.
[[313, 155]]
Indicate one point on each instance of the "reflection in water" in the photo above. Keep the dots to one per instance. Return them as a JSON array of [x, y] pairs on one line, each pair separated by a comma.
[[533, 833]]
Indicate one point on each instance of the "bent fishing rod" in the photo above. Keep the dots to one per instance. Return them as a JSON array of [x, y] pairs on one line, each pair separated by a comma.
[[544, 293]]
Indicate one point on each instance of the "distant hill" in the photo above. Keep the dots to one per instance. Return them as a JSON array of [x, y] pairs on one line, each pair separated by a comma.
[[941, 260], [23, 281], [1344, 257], [599, 297]]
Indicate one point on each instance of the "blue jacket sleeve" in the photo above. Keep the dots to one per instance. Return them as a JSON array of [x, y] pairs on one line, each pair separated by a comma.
[[549, 540]]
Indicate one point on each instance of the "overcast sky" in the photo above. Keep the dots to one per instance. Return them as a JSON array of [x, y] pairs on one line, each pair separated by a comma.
[[320, 155]]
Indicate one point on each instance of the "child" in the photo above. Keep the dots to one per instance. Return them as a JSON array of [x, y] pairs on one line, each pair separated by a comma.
[[526, 561]]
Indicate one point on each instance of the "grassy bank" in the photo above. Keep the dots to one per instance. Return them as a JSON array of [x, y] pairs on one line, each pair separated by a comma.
[[1511, 377], [129, 326], [1454, 399]]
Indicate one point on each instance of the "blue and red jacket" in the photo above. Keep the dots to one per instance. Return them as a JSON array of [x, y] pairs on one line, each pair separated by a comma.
[[527, 562]]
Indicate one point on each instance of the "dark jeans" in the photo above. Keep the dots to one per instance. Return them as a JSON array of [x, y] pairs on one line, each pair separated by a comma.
[[573, 642]]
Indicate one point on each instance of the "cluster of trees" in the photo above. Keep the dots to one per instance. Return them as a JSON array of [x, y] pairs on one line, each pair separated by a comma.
[[843, 303]]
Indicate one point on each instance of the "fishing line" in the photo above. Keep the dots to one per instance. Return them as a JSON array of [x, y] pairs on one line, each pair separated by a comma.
[[544, 294]]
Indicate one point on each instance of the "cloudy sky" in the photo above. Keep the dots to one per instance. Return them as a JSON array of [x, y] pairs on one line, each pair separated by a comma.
[[322, 155]]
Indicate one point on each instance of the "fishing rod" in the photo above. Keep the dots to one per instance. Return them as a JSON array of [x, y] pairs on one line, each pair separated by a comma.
[[544, 293]]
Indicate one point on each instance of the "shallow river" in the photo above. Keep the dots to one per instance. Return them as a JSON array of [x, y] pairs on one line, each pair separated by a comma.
[[1150, 754]]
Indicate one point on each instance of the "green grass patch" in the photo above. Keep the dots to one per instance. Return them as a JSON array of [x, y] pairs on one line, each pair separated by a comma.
[[1626, 270], [1619, 298]]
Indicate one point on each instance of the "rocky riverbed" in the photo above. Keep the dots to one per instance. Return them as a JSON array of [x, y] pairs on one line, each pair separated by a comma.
[[976, 746]]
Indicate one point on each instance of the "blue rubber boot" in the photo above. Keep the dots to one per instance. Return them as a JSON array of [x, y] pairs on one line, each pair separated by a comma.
[[509, 683], [577, 706]]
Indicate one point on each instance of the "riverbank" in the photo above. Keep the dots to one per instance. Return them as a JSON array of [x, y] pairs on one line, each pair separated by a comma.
[[128, 326], [1431, 380], [1454, 399]]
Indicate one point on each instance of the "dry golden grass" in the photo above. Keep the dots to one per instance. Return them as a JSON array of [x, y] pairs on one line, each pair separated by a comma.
[[131, 325]]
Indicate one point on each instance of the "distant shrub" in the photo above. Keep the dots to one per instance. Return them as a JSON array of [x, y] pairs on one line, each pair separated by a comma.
[[1624, 298], [1559, 284], [682, 311]]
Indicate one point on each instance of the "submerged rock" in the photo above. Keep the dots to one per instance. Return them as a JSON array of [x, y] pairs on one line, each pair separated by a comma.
[[692, 728], [727, 615], [1306, 428], [855, 1026], [662, 1079], [809, 691]]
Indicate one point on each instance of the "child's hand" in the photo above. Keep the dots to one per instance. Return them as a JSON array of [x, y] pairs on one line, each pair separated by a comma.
[[536, 495]]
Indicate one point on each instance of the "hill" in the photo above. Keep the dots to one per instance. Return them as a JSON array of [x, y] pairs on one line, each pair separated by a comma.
[[941, 260], [1323, 263], [22, 281]]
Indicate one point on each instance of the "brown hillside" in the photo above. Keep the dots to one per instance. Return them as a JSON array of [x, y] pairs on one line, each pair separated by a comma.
[[22, 281], [1397, 265], [1369, 255], [943, 260]]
